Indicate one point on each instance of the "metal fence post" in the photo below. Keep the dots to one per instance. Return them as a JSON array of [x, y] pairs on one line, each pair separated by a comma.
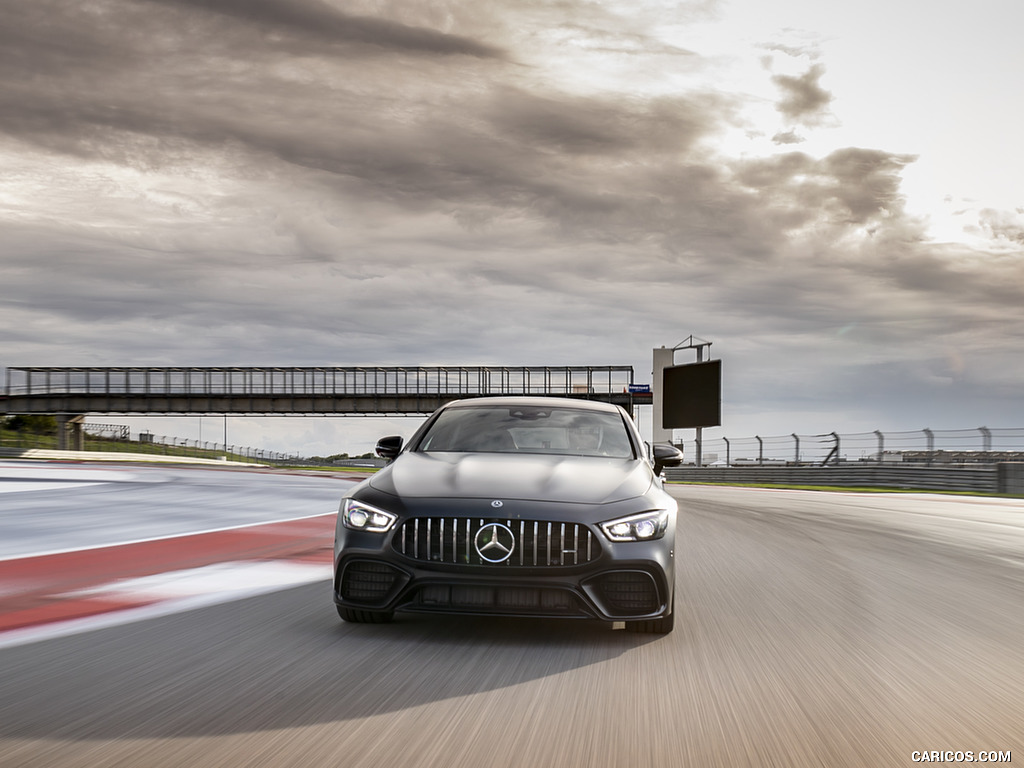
[[986, 439]]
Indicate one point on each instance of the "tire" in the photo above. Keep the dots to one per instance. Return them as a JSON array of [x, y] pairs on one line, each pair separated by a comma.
[[365, 617], [661, 626]]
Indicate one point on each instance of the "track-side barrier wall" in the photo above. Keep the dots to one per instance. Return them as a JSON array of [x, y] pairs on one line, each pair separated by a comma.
[[1003, 478]]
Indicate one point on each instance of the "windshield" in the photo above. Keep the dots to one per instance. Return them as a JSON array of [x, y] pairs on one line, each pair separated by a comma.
[[530, 429]]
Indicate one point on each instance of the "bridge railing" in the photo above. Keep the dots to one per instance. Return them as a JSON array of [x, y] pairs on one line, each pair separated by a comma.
[[483, 380]]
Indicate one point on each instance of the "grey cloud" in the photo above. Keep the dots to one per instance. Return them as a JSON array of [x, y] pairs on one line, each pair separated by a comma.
[[806, 49], [803, 99], [612, 38], [787, 137], [168, 68], [37, 40], [365, 128], [594, 125], [867, 180], [853, 185], [312, 18], [1003, 224]]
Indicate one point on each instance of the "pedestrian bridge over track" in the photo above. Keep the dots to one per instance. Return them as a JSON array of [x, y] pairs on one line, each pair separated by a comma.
[[352, 391], [71, 392]]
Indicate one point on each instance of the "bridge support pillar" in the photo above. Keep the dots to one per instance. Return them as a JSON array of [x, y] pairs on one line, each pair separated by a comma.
[[1010, 478], [70, 436]]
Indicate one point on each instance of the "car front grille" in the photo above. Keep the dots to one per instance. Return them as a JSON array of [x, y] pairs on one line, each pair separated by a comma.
[[533, 543]]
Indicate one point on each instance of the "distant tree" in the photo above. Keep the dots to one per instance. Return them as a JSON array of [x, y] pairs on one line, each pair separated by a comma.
[[36, 425]]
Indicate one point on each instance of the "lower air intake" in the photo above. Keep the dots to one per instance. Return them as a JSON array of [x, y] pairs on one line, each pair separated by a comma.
[[504, 600], [628, 592], [367, 582]]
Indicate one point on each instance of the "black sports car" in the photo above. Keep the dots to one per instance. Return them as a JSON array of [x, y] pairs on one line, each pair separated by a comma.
[[513, 506]]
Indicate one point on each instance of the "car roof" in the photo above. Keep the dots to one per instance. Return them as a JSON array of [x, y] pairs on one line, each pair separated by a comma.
[[563, 402]]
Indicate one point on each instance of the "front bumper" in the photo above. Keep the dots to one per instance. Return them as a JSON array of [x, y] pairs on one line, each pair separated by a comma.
[[625, 582]]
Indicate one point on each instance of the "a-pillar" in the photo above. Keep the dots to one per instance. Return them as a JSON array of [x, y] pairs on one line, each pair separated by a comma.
[[70, 435]]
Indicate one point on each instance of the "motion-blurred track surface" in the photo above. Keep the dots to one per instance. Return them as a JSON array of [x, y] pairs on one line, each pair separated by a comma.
[[814, 629]]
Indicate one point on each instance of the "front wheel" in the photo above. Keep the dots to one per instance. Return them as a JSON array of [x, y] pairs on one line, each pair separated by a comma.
[[661, 626], [365, 617]]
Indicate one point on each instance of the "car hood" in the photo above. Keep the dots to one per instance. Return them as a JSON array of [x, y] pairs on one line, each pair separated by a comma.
[[587, 480]]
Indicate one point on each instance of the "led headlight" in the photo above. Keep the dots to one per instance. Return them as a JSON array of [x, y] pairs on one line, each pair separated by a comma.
[[646, 526], [363, 517]]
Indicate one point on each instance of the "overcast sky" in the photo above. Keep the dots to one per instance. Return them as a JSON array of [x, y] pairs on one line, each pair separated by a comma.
[[832, 195]]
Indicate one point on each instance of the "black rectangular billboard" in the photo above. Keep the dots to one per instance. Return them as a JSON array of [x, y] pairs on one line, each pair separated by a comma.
[[692, 395]]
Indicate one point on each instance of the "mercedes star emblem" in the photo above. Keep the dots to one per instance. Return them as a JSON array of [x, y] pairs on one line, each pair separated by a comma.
[[494, 542]]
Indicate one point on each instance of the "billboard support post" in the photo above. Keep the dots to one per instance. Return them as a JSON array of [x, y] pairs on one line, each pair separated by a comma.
[[699, 437]]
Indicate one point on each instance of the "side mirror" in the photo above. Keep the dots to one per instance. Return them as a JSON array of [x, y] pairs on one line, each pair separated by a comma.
[[389, 447], [666, 455]]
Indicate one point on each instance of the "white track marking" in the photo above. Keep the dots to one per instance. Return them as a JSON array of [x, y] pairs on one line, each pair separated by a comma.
[[176, 592]]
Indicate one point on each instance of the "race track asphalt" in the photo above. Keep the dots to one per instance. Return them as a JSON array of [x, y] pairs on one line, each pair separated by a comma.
[[814, 629]]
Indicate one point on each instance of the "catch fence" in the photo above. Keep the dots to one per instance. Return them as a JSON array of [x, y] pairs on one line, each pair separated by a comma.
[[924, 447]]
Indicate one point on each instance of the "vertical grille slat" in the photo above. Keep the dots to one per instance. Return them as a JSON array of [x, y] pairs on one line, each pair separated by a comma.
[[538, 544], [522, 540]]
